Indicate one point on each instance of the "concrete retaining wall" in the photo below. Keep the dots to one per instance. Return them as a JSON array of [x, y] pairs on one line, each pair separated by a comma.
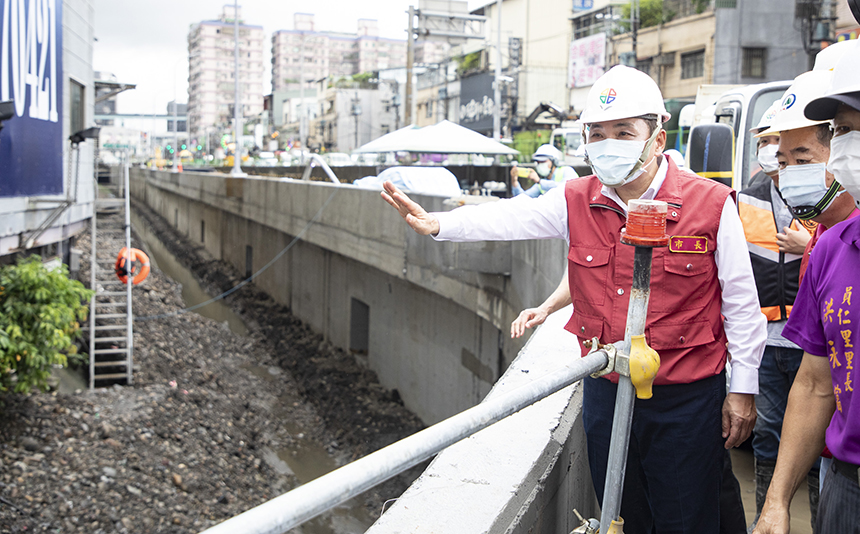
[[431, 319], [522, 475], [438, 314]]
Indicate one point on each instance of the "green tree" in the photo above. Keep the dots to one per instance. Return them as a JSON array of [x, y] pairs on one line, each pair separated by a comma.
[[40, 314], [651, 13]]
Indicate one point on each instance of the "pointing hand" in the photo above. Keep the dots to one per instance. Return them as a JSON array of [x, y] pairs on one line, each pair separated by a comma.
[[420, 221]]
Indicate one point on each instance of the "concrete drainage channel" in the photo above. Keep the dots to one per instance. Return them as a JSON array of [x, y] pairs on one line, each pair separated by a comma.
[[305, 459]]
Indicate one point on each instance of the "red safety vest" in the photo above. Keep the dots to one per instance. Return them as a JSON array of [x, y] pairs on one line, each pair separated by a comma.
[[684, 324]]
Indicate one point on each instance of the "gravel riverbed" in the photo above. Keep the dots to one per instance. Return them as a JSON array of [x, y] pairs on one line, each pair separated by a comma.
[[195, 439]]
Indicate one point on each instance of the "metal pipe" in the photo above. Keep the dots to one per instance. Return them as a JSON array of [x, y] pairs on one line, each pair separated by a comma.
[[93, 267], [410, 60], [128, 316], [305, 502], [237, 101], [623, 416], [497, 89]]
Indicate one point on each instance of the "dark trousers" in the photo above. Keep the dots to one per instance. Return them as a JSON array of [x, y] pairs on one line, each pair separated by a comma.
[[675, 458], [839, 507]]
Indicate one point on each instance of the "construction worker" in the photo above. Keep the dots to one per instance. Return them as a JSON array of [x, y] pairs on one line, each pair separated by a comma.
[[821, 406], [807, 187], [546, 175], [702, 302], [776, 258]]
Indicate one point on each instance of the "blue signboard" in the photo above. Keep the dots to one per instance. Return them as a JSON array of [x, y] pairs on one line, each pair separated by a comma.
[[582, 5], [31, 75]]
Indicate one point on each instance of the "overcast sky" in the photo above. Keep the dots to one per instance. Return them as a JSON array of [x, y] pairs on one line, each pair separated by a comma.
[[144, 41]]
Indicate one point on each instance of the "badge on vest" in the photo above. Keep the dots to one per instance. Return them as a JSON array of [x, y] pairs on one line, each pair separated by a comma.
[[688, 244]]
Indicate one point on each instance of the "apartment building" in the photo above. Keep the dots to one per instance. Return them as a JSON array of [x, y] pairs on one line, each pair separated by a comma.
[[305, 53], [211, 90]]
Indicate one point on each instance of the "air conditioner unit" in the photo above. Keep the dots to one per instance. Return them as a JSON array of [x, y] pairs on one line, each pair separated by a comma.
[[665, 60]]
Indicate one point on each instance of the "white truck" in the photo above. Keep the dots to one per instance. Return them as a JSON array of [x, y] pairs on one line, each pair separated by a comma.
[[731, 160]]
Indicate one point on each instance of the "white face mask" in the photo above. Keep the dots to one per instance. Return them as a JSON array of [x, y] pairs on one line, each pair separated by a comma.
[[804, 189], [543, 169], [845, 162], [767, 159], [619, 162]]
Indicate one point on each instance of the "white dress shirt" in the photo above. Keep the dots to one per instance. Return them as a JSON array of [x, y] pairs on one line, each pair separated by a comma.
[[545, 217]]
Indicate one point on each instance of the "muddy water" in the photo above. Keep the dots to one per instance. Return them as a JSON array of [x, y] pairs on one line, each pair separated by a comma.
[[306, 459], [192, 292]]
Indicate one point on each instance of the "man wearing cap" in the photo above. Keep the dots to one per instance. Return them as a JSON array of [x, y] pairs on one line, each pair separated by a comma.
[[546, 175], [822, 407], [702, 304], [776, 258]]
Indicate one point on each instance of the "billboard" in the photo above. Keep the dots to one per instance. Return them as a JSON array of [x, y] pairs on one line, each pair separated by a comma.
[[587, 60], [476, 102], [31, 75]]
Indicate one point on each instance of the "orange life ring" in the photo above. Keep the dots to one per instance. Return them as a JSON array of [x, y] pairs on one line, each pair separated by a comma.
[[138, 259]]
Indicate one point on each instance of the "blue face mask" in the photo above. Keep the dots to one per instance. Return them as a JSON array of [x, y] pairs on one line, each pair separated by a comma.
[[804, 189], [617, 162]]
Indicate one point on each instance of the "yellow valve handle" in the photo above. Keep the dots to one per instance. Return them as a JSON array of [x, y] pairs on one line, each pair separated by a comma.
[[617, 527], [644, 364]]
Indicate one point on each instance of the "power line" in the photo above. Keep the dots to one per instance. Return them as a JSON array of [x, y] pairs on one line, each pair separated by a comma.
[[250, 278]]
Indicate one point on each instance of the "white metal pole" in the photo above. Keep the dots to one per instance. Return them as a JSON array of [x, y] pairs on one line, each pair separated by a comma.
[[128, 316], [237, 101], [497, 89], [93, 267]]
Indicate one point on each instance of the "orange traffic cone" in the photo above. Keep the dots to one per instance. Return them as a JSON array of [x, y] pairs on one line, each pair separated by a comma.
[[179, 167]]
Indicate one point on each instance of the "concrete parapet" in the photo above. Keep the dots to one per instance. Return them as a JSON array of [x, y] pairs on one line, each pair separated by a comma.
[[435, 316], [524, 474]]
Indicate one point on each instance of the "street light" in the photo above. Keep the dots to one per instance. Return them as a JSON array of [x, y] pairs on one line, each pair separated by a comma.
[[237, 102]]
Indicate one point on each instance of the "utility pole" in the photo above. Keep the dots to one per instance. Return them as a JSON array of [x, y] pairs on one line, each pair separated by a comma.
[[237, 102], [497, 89], [410, 59], [634, 28], [356, 112], [395, 102], [303, 136]]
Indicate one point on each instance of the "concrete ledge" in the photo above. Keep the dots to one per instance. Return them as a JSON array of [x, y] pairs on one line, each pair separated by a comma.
[[524, 474]]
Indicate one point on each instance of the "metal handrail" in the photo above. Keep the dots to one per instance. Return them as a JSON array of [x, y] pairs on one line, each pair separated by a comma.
[[315, 158], [306, 502]]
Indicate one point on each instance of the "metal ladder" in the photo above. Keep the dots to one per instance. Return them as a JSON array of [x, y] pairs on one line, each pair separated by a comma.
[[111, 334]]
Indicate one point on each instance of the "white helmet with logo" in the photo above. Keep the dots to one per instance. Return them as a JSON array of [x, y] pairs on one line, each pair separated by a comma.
[[805, 88], [623, 93], [548, 152], [767, 119], [844, 87]]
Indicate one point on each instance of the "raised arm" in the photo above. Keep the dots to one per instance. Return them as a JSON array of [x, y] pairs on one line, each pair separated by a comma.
[[415, 216], [531, 317]]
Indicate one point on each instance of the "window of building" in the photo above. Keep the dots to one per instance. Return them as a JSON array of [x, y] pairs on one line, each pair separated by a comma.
[[693, 65], [644, 65], [77, 117], [753, 62]]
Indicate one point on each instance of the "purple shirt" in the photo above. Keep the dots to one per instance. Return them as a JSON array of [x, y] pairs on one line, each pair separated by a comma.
[[825, 321]]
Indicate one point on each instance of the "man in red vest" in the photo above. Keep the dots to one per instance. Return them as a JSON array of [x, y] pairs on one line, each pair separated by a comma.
[[703, 302]]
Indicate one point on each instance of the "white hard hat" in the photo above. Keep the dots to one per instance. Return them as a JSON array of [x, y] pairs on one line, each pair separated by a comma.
[[806, 87], [547, 152], [828, 57], [844, 87], [623, 93], [767, 119]]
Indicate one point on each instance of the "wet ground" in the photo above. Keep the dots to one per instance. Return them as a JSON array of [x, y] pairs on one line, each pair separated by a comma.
[[215, 423]]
